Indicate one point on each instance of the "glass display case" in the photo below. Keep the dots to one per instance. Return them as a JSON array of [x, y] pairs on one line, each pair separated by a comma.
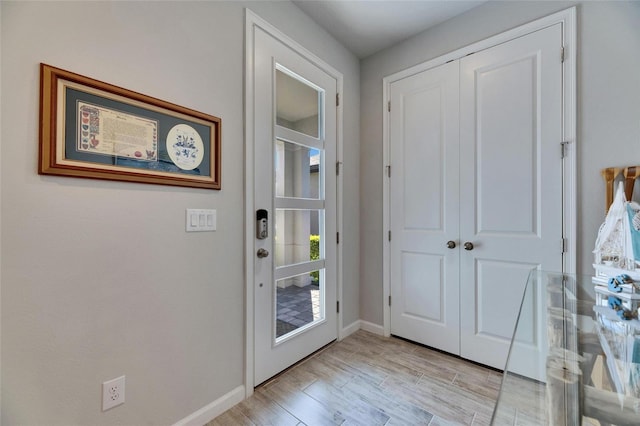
[[585, 368]]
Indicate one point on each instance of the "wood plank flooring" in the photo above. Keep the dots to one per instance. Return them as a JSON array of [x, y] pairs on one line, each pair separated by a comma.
[[371, 380]]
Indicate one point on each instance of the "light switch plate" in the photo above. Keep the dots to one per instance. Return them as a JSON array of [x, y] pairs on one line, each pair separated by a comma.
[[200, 220]]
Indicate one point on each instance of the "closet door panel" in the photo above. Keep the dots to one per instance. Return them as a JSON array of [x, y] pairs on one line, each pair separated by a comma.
[[424, 207], [506, 173], [511, 188], [423, 284], [491, 278]]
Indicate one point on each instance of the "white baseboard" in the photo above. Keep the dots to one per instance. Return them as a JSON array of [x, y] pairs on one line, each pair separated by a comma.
[[371, 327], [214, 409], [350, 329]]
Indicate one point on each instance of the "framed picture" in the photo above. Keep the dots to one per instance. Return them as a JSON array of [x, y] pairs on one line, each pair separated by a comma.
[[92, 129]]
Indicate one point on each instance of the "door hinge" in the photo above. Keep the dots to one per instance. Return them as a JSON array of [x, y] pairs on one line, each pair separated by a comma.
[[337, 99], [389, 106], [338, 167], [563, 148], [562, 54], [564, 245], [389, 235], [389, 300], [337, 306], [389, 170], [337, 238]]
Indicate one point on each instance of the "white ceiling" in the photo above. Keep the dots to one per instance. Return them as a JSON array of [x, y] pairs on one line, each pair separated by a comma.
[[368, 26]]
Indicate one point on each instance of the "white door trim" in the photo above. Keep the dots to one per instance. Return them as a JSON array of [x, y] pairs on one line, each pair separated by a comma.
[[567, 18], [253, 21]]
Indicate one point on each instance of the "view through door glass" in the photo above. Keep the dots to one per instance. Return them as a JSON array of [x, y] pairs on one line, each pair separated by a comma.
[[299, 236]]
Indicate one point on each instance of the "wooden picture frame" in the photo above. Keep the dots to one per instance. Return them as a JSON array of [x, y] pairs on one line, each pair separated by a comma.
[[92, 129]]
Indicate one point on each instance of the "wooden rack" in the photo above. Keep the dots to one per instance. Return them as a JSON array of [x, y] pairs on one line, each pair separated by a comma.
[[610, 174]]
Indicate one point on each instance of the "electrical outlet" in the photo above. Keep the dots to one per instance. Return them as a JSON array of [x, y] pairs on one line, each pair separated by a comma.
[[112, 393]]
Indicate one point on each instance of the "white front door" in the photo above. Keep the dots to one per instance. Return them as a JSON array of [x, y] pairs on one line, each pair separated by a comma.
[[510, 188], [494, 190], [425, 207], [295, 262]]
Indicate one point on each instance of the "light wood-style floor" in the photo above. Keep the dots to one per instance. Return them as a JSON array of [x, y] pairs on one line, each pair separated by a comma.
[[370, 380]]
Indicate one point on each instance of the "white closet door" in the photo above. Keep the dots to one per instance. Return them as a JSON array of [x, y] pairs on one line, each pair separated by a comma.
[[424, 207], [510, 190]]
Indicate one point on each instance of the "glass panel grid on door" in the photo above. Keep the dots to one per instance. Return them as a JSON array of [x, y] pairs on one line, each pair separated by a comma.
[[299, 296]]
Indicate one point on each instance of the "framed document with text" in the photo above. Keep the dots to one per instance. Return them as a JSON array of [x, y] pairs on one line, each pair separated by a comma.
[[92, 129]]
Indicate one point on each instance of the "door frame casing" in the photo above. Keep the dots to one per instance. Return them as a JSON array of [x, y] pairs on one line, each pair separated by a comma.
[[253, 22], [567, 18]]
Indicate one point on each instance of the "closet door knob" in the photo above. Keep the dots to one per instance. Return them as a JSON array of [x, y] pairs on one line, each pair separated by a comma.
[[468, 246], [451, 244]]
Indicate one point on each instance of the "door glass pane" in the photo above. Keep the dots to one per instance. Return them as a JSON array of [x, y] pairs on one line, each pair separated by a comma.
[[297, 105], [297, 170], [299, 302], [297, 236]]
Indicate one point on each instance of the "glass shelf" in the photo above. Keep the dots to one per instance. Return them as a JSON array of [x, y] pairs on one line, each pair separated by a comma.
[[572, 359]]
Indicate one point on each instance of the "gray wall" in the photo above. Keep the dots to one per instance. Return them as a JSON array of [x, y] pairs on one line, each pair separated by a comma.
[[99, 278], [608, 112]]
